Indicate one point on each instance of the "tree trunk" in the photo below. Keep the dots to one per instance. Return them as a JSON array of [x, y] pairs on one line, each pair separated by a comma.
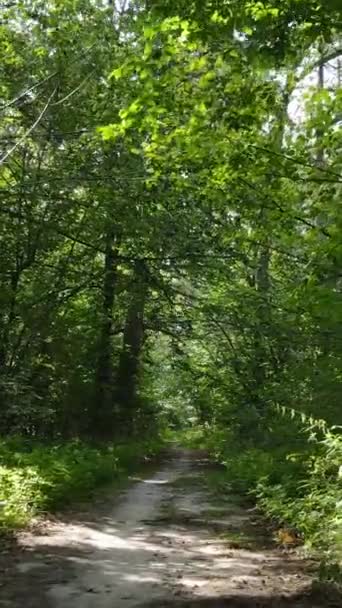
[[133, 338], [103, 414], [319, 132]]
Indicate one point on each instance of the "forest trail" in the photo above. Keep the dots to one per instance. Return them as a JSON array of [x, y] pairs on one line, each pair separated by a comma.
[[166, 541]]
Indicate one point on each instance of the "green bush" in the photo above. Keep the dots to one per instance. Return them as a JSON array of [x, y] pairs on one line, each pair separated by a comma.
[[191, 437], [37, 477], [316, 510], [301, 490]]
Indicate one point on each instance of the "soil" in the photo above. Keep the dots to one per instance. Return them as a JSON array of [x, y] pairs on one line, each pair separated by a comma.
[[166, 541]]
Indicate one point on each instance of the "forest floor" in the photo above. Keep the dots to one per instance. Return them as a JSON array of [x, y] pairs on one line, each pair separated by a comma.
[[168, 540]]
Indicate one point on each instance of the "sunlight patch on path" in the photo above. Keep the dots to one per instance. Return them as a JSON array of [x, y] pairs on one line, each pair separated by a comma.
[[159, 542]]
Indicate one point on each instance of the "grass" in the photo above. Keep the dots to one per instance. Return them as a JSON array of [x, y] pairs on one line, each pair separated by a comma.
[[37, 478]]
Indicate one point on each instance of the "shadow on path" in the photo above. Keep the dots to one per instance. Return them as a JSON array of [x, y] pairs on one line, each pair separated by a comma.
[[145, 551]]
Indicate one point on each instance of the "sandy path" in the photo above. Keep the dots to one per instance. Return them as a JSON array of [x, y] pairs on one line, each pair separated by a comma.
[[164, 543]]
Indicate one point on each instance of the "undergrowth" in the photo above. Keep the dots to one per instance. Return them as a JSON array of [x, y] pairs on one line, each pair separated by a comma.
[[302, 491], [190, 437], [298, 488], [37, 477]]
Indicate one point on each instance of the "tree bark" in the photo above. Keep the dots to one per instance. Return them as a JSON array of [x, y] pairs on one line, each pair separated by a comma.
[[103, 415], [127, 380], [320, 148]]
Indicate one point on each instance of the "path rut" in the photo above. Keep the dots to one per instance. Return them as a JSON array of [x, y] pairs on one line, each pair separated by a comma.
[[165, 542]]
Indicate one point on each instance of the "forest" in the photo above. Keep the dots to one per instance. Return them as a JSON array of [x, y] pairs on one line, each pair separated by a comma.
[[171, 250]]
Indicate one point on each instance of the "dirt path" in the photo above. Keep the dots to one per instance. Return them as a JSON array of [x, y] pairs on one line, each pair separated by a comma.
[[166, 542]]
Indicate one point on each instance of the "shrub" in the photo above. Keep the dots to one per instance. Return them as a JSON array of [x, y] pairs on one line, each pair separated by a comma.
[[190, 437], [37, 477], [316, 510], [301, 490]]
